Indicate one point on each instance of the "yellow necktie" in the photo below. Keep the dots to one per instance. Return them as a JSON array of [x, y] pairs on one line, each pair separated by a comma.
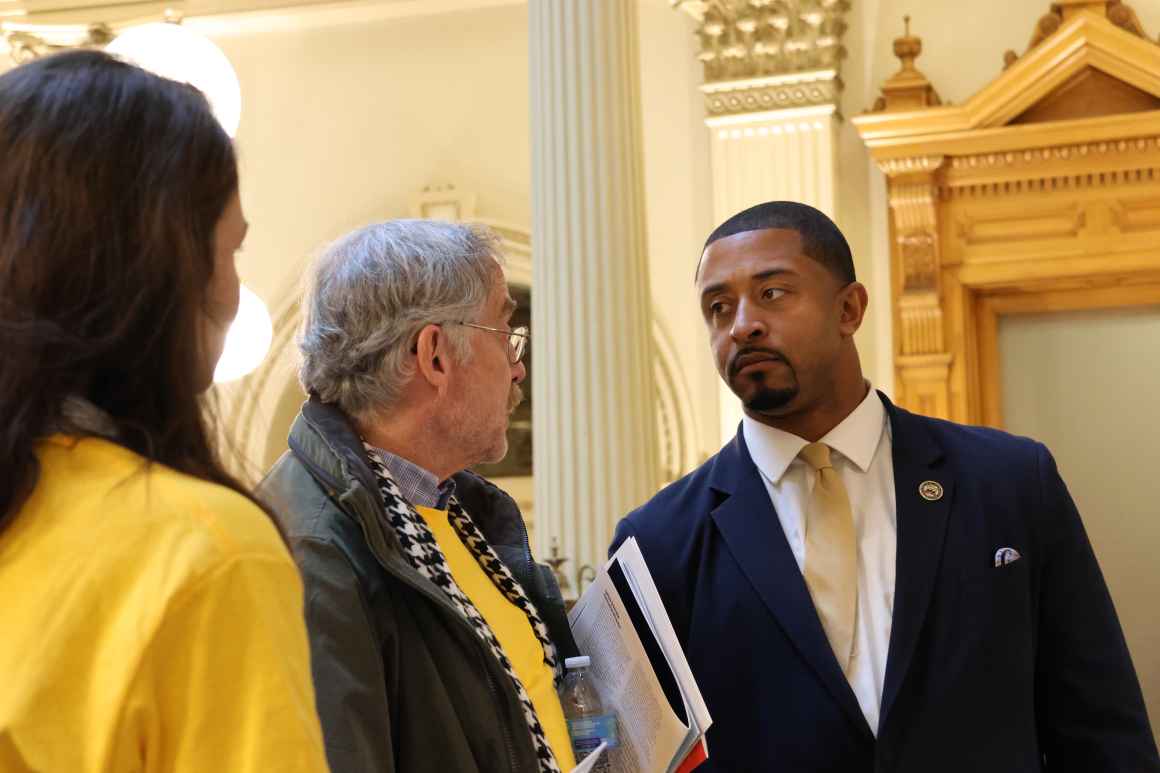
[[831, 567]]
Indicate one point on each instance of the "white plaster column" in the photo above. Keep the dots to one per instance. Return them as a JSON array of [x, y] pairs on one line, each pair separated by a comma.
[[594, 427]]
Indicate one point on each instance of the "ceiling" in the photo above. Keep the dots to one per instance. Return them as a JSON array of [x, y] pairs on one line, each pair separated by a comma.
[[119, 13]]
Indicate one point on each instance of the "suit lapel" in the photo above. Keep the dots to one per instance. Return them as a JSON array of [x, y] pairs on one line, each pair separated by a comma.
[[923, 513], [753, 533]]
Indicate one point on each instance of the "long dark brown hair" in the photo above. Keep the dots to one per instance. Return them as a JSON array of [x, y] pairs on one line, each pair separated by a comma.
[[112, 180]]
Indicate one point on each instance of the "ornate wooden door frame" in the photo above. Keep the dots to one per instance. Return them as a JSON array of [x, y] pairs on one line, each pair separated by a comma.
[[1040, 193]]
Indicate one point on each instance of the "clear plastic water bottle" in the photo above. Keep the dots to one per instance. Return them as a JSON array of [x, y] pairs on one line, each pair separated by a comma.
[[588, 724]]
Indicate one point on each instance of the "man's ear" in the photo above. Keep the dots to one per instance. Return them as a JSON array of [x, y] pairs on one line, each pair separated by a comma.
[[853, 299], [433, 357]]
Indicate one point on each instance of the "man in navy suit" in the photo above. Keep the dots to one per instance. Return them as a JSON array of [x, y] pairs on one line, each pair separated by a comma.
[[862, 589]]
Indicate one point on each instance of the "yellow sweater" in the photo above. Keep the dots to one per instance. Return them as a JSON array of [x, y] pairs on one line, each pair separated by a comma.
[[510, 625], [151, 622]]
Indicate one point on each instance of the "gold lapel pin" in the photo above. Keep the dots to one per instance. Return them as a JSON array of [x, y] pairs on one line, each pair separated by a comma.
[[930, 490]]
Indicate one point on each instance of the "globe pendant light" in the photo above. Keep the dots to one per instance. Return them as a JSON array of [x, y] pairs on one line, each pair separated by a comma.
[[175, 52], [248, 339]]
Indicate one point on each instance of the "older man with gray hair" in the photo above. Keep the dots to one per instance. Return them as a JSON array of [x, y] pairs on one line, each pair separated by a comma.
[[436, 640]]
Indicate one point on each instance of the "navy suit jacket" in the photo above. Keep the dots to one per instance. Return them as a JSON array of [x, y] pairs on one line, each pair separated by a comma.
[[1021, 667]]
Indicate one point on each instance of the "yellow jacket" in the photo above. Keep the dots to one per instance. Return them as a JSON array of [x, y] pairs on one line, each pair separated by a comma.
[[149, 621]]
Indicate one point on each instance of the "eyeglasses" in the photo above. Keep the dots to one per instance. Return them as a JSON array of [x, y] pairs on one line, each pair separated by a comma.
[[517, 339]]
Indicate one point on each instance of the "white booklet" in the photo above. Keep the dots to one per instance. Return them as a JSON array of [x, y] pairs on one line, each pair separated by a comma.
[[639, 669]]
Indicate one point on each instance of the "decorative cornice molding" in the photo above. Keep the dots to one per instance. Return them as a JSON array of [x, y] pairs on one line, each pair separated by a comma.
[[230, 18], [774, 92], [1061, 152], [742, 39], [1037, 156], [921, 165], [1054, 167], [1051, 182], [1074, 166]]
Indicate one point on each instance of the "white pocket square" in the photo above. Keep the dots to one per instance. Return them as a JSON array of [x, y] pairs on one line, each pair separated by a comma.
[[1004, 556]]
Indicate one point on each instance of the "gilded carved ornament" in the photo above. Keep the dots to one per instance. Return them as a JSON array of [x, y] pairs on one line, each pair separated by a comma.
[[32, 41], [914, 189], [763, 55], [907, 89], [1116, 11], [913, 196], [751, 38], [918, 258]]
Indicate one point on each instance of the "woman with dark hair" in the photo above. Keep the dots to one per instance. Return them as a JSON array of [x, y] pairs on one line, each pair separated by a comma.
[[152, 615]]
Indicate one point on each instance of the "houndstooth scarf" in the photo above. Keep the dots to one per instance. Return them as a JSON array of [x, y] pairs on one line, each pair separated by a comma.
[[423, 553]]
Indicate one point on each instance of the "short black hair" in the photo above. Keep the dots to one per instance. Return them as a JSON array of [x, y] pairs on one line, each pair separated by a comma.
[[821, 238]]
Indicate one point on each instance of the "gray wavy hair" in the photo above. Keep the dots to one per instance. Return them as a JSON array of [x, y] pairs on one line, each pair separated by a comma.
[[373, 290]]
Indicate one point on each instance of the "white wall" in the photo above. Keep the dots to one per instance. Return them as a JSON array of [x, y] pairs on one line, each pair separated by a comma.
[[343, 121], [341, 124]]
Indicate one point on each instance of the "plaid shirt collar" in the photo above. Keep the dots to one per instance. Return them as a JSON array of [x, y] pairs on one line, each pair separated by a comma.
[[418, 486]]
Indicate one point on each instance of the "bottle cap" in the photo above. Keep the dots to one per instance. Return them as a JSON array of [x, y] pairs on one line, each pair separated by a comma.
[[582, 661]]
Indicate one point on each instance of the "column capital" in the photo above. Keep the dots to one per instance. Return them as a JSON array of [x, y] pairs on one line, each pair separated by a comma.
[[760, 56]]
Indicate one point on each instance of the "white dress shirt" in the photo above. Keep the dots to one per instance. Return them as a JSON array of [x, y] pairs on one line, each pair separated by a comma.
[[863, 459]]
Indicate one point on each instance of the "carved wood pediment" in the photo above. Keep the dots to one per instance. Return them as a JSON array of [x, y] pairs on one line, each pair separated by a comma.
[[1040, 192], [1089, 66], [1088, 94]]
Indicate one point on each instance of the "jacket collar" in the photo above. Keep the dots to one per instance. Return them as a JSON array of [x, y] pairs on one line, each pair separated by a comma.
[[924, 489], [325, 441]]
